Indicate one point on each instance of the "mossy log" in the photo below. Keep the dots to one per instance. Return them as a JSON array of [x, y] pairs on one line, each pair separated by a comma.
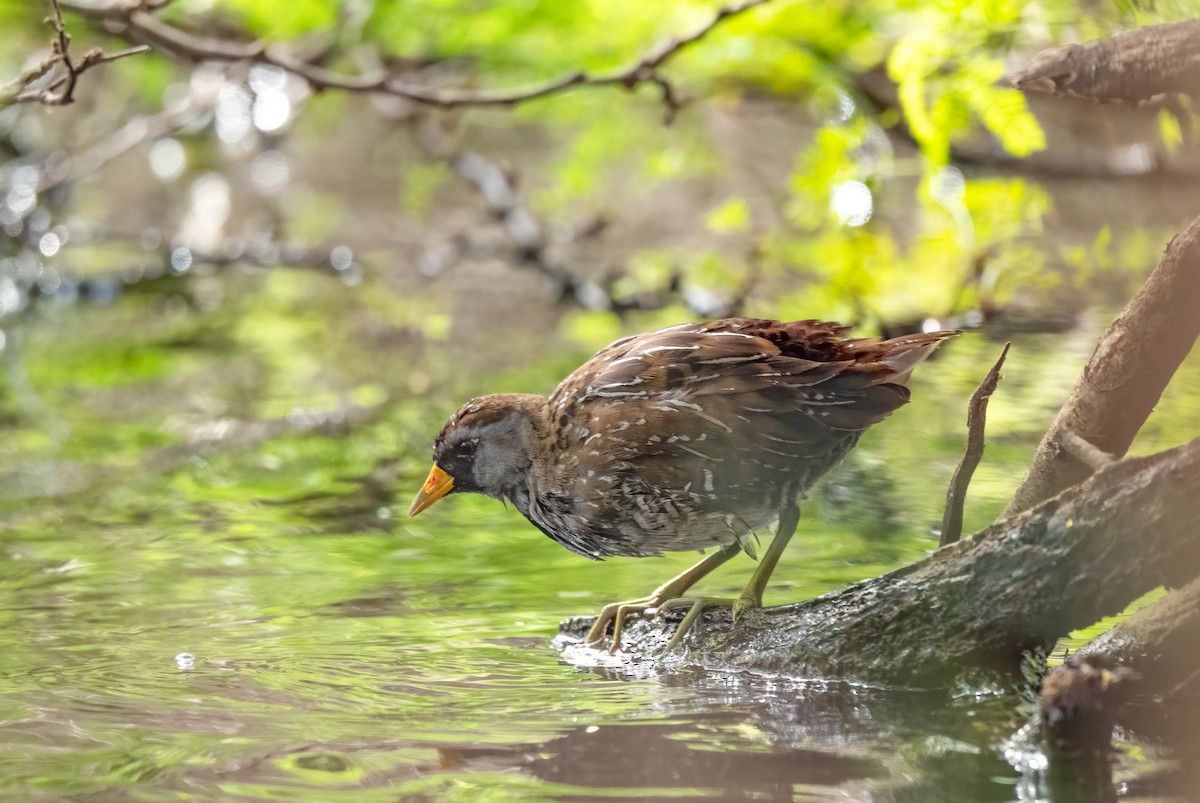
[[978, 604]]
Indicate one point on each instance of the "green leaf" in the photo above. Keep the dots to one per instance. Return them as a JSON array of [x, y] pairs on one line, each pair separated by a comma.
[[731, 216], [284, 19]]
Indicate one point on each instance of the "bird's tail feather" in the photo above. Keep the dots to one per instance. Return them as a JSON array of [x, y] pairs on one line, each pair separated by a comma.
[[905, 353]]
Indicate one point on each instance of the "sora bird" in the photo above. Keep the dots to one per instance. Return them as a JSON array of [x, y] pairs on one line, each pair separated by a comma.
[[691, 437]]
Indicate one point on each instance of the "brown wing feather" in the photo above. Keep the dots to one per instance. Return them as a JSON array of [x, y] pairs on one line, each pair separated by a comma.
[[719, 422]]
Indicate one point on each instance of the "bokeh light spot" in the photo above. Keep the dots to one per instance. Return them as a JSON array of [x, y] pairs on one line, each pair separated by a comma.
[[167, 159], [49, 244], [181, 259], [852, 203]]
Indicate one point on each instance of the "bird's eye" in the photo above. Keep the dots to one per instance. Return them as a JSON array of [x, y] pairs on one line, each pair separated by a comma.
[[467, 448]]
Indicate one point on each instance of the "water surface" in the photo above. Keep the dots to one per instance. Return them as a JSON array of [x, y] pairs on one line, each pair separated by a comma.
[[209, 588]]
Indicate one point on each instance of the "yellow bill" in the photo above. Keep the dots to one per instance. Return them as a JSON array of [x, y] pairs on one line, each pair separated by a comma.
[[437, 485]]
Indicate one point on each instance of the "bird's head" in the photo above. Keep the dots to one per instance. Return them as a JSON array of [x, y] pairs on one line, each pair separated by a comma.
[[485, 447]]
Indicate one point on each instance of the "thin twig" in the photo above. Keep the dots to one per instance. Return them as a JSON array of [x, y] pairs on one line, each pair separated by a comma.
[[60, 91], [62, 48], [952, 519], [530, 240], [143, 26]]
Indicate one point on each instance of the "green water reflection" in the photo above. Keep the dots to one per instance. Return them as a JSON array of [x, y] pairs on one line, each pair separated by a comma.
[[339, 649]]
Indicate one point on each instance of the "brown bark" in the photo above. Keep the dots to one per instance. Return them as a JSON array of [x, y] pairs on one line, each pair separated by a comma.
[[1078, 707], [1160, 642], [1157, 649], [1131, 66], [978, 604], [1124, 378]]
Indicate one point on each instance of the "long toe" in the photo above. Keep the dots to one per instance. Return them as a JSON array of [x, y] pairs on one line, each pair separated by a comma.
[[615, 613], [623, 612], [698, 606], [745, 603], [599, 628]]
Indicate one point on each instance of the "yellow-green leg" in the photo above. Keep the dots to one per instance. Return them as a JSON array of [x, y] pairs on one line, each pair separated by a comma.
[[752, 596], [617, 612]]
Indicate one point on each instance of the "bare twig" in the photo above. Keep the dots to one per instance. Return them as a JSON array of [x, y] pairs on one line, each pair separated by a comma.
[[1158, 641], [143, 26], [952, 519], [60, 91], [1091, 456], [68, 168]]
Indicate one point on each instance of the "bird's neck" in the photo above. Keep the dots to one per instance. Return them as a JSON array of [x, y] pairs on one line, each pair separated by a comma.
[[515, 481], [520, 496], [531, 409]]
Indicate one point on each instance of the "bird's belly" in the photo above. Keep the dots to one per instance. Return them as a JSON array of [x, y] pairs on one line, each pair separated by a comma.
[[659, 527], [629, 514]]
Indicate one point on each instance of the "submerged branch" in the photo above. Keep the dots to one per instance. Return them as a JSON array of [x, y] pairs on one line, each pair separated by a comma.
[[1159, 642]]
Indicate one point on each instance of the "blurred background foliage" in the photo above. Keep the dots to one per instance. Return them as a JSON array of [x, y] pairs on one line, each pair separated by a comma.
[[246, 244]]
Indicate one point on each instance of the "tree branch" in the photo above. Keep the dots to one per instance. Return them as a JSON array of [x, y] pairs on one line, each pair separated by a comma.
[[1131, 66], [62, 169], [531, 244], [61, 90], [141, 25], [1122, 381]]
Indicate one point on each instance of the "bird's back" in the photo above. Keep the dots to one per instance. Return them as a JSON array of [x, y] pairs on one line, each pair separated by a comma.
[[699, 434]]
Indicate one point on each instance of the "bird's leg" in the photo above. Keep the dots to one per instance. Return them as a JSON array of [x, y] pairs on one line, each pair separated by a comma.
[[616, 612], [752, 596]]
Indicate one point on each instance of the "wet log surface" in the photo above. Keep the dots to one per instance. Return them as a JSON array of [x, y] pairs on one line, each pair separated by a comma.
[[975, 605]]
